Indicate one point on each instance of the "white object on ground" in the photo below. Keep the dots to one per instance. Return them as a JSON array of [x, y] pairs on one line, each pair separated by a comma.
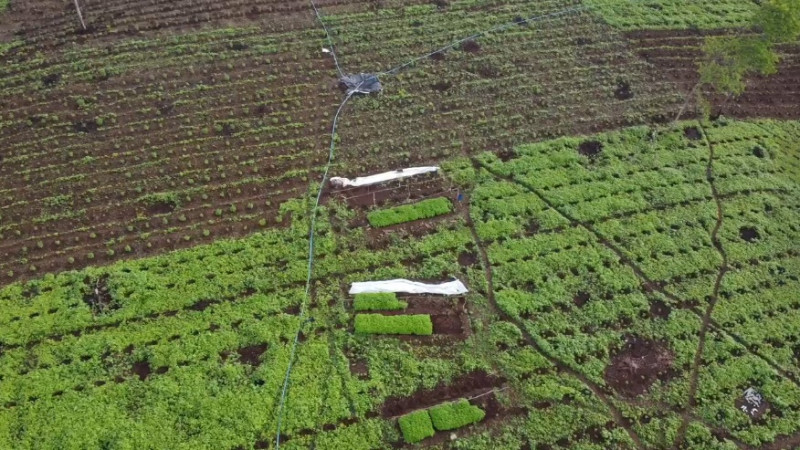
[[381, 177], [325, 50], [454, 287]]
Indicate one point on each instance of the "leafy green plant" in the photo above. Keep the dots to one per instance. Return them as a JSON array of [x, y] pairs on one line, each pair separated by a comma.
[[416, 426], [418, 324], [406, 213], [450, 416], [380, 301]]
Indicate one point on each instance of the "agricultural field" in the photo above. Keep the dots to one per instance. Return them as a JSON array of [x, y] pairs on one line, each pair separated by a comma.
[[174, 274]]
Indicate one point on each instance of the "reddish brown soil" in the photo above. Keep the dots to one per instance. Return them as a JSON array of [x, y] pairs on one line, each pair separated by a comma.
[[465, 386], [581, 298], [141, 369], [467, 259], [251, 355], [675, 54], [637, 366], [471, 46], [692, 133], [359, 369], [590, 148], [748, 234], [754, 413], [659, 309]]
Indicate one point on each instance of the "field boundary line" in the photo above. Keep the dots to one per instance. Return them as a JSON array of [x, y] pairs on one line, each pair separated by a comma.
[[616, 414], [712, 302]]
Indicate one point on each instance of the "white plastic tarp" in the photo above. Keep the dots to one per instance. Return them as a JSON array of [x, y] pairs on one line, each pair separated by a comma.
[[454, 287], [381, 177]]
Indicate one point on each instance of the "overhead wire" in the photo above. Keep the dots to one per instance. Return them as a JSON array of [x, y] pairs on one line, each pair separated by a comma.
[[311, 233], [331, 153], [494, 29]]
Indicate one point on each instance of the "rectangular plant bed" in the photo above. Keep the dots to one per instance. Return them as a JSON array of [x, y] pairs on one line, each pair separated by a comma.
[[376, 302], [416, 426], [449, 416], [407, 213], [419, 324]]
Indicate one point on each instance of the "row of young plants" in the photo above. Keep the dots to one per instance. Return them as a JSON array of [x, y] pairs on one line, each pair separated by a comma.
[[577, 298], [171, 320], [441, 97], [422, 424], [424, 209], [153, 90], [674, 14]]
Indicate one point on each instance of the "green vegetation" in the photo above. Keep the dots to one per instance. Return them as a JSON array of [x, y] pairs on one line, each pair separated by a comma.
[[729, 59], [375, 302], [193, 315], [675, 14], [416, 426], [450, 416], [418, 324], [406, 213]]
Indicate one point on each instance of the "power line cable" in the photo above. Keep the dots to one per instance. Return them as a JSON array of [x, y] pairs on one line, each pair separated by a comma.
[[328, 36], [501, 27]]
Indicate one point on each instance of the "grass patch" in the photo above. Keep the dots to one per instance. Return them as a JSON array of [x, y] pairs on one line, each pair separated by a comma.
[[406, 213], [416, 426], [450, 416], [380, 301], [419, 324]]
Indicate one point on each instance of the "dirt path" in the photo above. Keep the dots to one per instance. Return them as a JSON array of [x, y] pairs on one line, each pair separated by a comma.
[[484, 257], [723, 269]]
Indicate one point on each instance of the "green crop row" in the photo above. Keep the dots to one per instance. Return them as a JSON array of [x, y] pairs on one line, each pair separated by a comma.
[[418, 324], [450, 416], [381, 301], [416, 426], [407, 213], [419, 425]]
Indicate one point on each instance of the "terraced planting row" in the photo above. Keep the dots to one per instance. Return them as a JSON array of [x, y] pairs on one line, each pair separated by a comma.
[[580, 327], [595, 289]]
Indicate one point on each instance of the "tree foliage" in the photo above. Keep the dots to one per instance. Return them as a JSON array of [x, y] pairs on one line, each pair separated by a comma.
[[729, 60]]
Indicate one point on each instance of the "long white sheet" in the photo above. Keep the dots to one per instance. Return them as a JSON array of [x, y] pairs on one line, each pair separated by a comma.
[[455, 287], [381, 177]]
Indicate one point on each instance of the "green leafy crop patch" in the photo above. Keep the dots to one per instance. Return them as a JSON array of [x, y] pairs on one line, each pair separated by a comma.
[[407, 213], [378, 302], [460, 413], [418, 324], [416, 426], [674, 14]]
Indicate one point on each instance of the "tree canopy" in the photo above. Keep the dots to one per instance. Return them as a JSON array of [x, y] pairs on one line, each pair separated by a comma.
[[728, 60]]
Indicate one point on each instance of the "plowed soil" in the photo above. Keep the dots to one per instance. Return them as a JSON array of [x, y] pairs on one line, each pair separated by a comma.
[[675, 54], [465, 386]]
